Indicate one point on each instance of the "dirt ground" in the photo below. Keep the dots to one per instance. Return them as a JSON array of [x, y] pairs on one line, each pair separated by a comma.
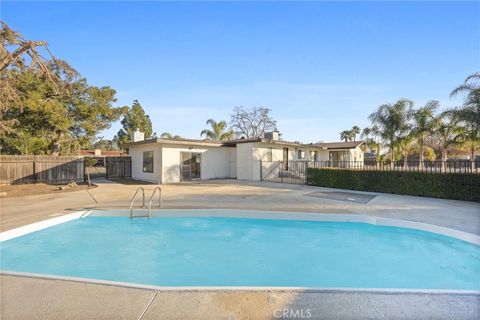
[[18, 190]]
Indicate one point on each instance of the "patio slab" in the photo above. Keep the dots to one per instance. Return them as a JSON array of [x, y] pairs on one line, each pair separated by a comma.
[[32, 298], [233, 194], [342, 196], [35, 298]]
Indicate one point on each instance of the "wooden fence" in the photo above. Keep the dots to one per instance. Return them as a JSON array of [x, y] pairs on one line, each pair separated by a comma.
[[53, 169]]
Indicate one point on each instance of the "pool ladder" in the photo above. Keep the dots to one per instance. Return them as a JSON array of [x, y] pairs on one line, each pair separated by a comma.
[[150, 201]]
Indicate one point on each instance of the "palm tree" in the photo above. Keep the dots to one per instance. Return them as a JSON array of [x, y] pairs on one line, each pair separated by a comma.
[[366, 132], [471, 143], [424, 125], [169, 136], [219, 131], [404, 146], [345, 135], [369, 135], [448, 132], [354, 132], [470, 112], [391, 123], [375, 147]]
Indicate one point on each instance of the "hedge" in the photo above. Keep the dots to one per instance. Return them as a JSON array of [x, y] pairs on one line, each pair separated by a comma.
[[455, 186]]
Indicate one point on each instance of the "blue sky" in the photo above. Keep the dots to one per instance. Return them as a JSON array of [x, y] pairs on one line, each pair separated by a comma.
[[321, 67]]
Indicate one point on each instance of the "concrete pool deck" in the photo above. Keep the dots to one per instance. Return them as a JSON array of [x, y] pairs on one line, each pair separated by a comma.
[[24, 297]]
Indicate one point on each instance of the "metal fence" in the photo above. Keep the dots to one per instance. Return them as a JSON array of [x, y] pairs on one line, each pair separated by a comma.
[[296, 171], [118, 167]]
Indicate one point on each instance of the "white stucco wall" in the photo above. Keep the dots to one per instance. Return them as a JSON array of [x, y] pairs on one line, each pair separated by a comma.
[[241, 162], [244, 161], [233, 162], [215, 162], [350, 154], [249, 156], [136, 152]]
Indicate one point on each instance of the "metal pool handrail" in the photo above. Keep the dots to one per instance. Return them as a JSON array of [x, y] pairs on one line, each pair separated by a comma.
[[151, 199], [133, 200]]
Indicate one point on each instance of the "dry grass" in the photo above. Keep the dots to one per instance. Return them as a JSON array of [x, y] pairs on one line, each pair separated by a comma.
[[17, 190]]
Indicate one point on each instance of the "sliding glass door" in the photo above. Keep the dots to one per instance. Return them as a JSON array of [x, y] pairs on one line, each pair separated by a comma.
[[190, 167]]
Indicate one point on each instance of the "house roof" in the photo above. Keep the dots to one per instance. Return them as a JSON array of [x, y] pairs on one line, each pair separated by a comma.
[[103, 153], [179, 141], [338, 145], [233, 143]]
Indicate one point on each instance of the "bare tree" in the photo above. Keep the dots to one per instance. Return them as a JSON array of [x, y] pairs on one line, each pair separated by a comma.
[[253, 123]]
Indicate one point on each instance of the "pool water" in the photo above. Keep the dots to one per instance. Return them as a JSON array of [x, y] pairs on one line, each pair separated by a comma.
[[212, 251]]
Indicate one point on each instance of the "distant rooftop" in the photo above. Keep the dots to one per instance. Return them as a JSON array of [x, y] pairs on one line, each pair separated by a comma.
[[101, 153]]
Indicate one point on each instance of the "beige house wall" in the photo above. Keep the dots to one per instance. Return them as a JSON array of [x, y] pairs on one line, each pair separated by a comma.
[[136, 152], [215, 163], [218, 162]]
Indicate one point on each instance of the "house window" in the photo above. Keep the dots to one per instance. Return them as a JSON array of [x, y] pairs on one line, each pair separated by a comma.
[[314, 155], [148, 161], [300, 154]]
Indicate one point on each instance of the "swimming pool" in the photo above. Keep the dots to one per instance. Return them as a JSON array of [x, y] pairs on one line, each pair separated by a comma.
[[182, 250]]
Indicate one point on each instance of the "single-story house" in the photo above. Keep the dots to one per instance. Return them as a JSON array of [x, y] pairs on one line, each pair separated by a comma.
[[170, 161]]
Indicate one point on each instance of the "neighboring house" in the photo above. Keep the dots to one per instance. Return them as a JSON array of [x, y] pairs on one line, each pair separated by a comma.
[[169, 161], [100, 155]]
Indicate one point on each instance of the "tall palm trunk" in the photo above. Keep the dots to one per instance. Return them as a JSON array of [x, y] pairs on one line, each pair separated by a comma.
[[392, 158], [444, 159], [472, 157], [392, 153], [421, 156]]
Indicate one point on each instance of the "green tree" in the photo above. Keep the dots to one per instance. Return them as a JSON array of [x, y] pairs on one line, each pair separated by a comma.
[[345, 135], [390, 123], [448, 132], [169, 136], [25, 143], [424, 123], [105, 144], [369, 134], [470, 111], [471, 143], [405, 146], [134, 119], [354, 132], [219, 131], [61, 122], [18, 55]]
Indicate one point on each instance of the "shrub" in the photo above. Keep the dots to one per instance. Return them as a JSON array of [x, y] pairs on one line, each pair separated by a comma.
[[456, 186]]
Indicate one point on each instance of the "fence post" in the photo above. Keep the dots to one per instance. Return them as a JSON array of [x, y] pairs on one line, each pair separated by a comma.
[[84, 173], [281, 172], [261, 171], [34, 172]]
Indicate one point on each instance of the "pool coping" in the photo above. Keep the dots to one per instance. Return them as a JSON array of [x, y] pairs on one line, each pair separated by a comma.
[[238, 288], [259, 214], [37, 226]]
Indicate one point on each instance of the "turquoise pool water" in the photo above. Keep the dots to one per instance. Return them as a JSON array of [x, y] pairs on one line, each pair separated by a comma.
[[246, 252]]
